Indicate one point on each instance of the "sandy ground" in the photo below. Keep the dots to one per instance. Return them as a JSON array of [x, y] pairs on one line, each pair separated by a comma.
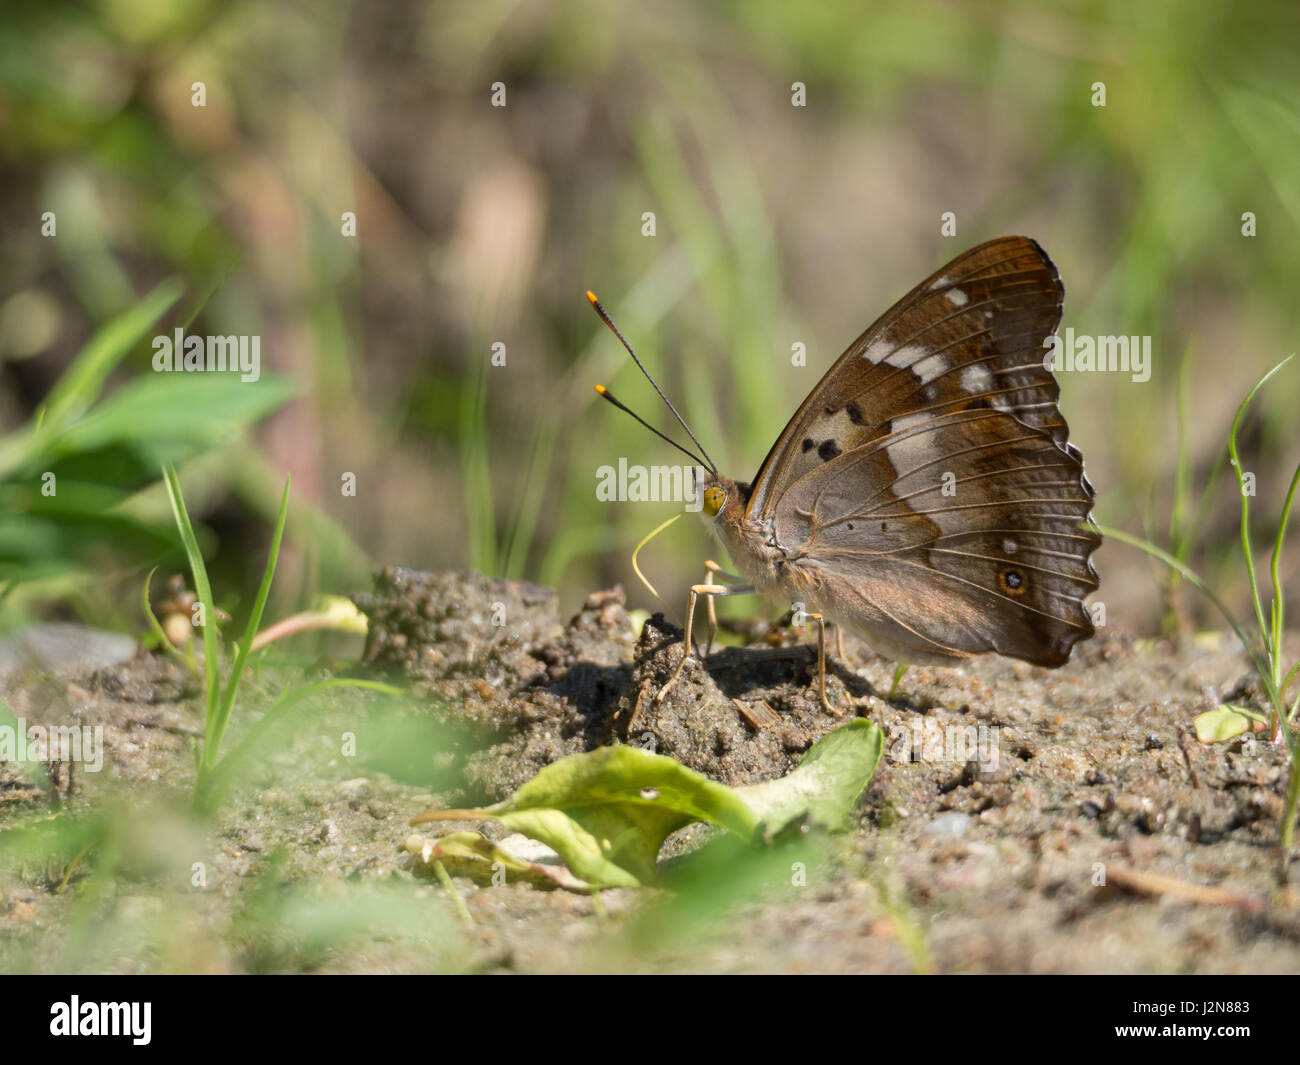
[[1015, 822]]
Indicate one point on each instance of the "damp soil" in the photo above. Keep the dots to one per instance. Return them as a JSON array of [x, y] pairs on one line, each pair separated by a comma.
[[1021, 819]]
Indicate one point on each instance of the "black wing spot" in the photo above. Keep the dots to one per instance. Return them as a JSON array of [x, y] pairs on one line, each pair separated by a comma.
[[1012, 581], [978, 404], [828, 450], [807, 445], [855, 414]]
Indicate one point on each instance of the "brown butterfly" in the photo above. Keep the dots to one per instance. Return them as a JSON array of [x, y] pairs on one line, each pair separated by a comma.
[[924, 496]]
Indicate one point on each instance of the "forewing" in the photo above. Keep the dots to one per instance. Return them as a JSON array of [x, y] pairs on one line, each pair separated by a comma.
[[968, 337]]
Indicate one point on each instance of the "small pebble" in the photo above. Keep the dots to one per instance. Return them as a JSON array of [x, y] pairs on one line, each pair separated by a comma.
[[948, 826]]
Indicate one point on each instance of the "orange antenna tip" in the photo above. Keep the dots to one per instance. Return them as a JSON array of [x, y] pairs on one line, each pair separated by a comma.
[[592, 297], [600, 389]]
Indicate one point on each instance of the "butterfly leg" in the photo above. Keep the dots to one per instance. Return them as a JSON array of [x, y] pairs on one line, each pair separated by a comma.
[[821, 663], [710, 612], [712, 569], [697, 590]]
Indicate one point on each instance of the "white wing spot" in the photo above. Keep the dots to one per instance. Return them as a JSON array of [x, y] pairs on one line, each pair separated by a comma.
[[904, 357], [915, 444], [910, 450], [939, 284], [957, 297], [877, 351], [908, 421], [988, 314], [920, 360], [929, 368], [1009, 546], [976, 378]]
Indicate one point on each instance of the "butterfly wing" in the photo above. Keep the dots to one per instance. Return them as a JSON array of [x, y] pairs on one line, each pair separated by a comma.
[[926, 487]]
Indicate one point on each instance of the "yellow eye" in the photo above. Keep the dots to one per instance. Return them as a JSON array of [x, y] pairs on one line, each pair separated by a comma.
[[714, 500]]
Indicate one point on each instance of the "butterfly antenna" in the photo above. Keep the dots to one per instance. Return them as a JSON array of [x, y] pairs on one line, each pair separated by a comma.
[[604, 317], [605, 393]]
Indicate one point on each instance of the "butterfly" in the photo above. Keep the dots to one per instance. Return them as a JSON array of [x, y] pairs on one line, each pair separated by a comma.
[[925, 496]]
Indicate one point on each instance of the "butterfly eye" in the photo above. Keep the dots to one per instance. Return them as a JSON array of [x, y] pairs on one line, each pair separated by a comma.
[[714, 500]]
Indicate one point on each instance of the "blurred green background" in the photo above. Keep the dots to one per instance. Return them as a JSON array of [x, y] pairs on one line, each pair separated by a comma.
[[477, 224]]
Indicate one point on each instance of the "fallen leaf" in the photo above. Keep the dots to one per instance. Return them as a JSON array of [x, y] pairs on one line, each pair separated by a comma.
[[606, 813], [1226, 722]]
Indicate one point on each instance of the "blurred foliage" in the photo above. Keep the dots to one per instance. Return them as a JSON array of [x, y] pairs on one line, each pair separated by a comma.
[[68, 479], [135, 898], [478, 225]]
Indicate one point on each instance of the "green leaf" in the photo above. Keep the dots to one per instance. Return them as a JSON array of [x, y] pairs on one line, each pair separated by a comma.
[[825, 786], [1226, 722], [604, 845], [608, 812], [82, 382], [79, 387], [161, 415]]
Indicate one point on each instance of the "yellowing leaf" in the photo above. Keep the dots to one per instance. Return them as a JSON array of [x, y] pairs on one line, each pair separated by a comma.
[[470, 854], [607, 812], [1226, 722], [826, 784]]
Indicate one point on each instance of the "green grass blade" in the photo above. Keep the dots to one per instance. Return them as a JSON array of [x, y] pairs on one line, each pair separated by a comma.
[[1246, 549], [204, 591], [1279, 601], [250, 630]]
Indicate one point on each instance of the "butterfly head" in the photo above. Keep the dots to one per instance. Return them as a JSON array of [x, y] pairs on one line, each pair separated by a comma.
[[721, 497]]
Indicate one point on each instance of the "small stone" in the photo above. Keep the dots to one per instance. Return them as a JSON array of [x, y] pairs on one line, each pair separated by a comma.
[[948, 826], [21, 911]]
